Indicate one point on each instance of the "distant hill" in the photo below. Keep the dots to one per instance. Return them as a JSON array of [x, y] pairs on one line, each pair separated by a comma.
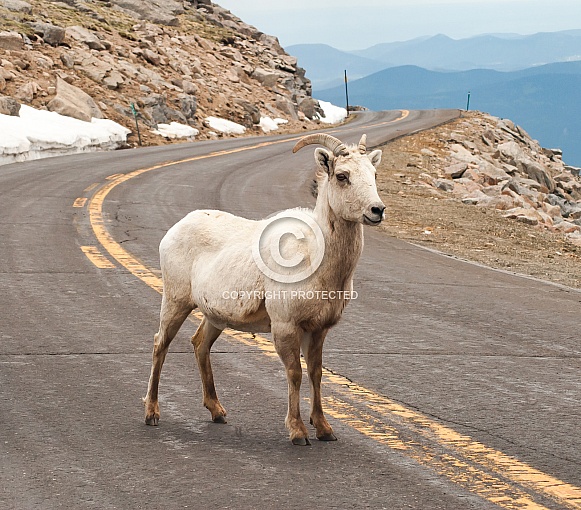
[[327, 65], [544, 100], [497, 52]]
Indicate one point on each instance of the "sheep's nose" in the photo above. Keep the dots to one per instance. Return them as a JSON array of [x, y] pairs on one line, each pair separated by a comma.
[[377, 210]]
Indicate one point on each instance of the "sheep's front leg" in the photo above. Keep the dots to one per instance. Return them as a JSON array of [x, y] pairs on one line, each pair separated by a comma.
[[287, 341], [313, 352], [202, 341]]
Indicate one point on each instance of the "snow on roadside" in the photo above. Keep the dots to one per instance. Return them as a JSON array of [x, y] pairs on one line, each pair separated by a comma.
[[225, 126], [267, 124], [333, 114], [175, 130], [39, 134]]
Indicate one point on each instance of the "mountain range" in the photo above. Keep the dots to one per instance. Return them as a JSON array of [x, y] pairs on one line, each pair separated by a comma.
[[502, 52], [499, 71]]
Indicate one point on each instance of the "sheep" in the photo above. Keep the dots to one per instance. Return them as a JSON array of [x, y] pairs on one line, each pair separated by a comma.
[[291, 275]]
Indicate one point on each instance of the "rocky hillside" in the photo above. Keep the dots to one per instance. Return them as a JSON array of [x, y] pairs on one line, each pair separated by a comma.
[[175, 61], [479, 188], [489, 162]]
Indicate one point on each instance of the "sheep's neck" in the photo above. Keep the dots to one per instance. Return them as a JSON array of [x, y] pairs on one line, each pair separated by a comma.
[[343, 245]]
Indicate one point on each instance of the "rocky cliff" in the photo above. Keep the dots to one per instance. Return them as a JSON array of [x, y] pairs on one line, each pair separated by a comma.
[[175, 61]]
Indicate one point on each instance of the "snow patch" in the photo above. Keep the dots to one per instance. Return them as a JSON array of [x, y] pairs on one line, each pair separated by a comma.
[[225, 126], [175, 130], [333, 114], [267, 124], [37, 134]]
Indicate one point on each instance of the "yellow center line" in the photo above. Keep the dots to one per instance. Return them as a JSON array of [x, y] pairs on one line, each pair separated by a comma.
[[97, 258], [489, 473]]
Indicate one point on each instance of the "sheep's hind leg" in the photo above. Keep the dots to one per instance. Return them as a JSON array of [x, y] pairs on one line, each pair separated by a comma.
[[172, 316], [313, 352], [202, 341]]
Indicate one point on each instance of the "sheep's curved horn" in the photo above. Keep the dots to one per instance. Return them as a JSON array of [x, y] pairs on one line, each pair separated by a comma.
[[336, 145], [362, 144]]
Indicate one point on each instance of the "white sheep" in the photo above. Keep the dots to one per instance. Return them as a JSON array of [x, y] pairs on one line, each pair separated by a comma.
[[291, 275]]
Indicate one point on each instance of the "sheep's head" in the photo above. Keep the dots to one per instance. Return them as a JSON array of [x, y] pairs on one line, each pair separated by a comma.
[[347, 176]]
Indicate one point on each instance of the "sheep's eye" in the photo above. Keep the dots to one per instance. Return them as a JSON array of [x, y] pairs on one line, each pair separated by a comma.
[[342, 178]]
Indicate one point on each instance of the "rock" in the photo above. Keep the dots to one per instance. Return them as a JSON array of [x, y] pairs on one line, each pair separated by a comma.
[[455, 171], [189, 87], [114, 80], [9, 106], [477, 197], [2, 83], [28, 91], [85, 36], [528, 216], [427, 152], [491, 174], [17, 6], [251, 111], [265, 77], [51, 34], [162, 12], [573, 169], [309, 107], [6, 74], [188, 106], [152, 57], [489, 138], [74, 102], [157, 110], [11, 41], [443, 184], [287, 107], [67, 60], [537, 173], [567, 227]]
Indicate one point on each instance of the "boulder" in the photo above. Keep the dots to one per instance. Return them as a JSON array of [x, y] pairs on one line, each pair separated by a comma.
[[162, 12], [455, 171], [251, 111], [74, 102], [11, 41], [114, 80], [537, 173], [28, 91], [17, 6], [85, 36], [528, 216], [159, 112], [188, 106], [309, 107], [9, 106], [265, 77], [491, 174], [51, 34]]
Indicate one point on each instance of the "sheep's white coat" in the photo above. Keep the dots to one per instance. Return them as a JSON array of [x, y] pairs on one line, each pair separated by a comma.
[[207, 258]]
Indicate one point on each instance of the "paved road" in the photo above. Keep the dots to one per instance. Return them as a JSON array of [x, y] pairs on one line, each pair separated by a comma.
[[449, 385]]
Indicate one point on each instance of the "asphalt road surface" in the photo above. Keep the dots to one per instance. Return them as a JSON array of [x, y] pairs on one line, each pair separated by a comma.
[[449, 385]]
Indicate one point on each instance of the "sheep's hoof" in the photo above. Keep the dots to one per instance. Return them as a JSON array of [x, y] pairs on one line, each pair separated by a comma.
[[219, 419], [152, 420], [327, 437], [301, 441]]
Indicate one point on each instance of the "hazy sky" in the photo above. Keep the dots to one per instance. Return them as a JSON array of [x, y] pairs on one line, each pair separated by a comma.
[[359, 24]]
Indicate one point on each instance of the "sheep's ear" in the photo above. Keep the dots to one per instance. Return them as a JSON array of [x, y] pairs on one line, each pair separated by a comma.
[[324, 160], [375, 158]]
